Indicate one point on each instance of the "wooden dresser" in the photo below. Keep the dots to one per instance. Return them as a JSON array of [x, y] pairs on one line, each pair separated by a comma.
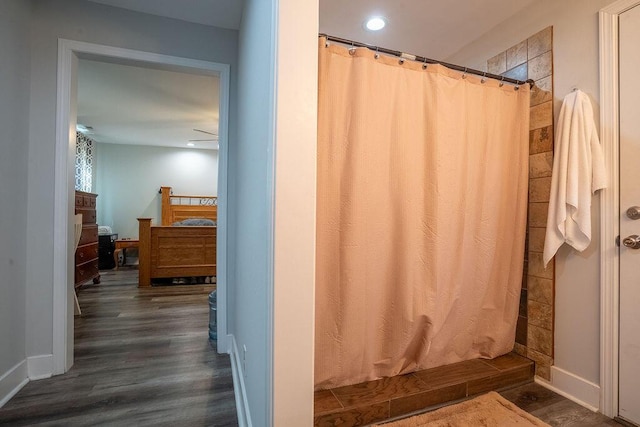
[[87, 252]]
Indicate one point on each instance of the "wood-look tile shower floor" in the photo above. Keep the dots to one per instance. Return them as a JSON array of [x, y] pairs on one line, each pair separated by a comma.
[[398, 397], [374, 401]]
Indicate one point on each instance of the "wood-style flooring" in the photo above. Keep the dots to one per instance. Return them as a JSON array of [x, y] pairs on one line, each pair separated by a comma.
[[554, 409], [388, 398], [406, 395], [142, 358]]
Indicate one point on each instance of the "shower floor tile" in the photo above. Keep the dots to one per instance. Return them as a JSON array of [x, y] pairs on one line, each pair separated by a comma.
[[378, 400]]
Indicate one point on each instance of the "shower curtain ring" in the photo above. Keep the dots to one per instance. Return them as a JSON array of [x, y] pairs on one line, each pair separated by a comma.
[[377, 55], [517, 87], [424, 65], [484, 77], [502, 81], [352, 49], [464, 74]]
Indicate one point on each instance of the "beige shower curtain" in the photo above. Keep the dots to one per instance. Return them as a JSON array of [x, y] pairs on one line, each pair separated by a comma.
[[422, 205]]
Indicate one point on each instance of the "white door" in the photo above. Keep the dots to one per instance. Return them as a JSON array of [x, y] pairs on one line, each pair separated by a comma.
[[629, 398]]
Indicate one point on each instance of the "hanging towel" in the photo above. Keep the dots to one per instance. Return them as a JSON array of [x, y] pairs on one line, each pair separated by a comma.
[[578, 171]]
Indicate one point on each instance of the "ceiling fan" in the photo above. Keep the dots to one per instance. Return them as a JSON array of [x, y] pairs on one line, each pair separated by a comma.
[[214, 135]]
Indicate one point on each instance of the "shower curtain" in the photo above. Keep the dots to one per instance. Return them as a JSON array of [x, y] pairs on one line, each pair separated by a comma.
[[421, 216]]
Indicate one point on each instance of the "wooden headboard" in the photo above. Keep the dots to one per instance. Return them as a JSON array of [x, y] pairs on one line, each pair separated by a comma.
[[177, 207]]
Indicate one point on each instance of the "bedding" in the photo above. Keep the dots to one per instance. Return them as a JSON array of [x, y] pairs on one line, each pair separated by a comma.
[[195, 222]]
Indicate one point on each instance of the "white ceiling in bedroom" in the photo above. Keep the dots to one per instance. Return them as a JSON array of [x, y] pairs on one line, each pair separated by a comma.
[[126, 104]]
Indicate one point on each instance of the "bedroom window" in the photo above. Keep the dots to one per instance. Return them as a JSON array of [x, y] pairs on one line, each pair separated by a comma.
[[84, 162]]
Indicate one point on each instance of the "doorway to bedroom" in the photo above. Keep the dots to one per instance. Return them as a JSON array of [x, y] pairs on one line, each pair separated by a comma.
[[146, 147], [142, 122]]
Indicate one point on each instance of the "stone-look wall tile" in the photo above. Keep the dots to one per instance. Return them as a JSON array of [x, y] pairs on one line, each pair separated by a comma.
[[540, 165], [536, 266], [517, 55], [541, 115], [541, 140], [520, 349], [540, 339], [541, 66], [519, 72], [540, 314], [538, 214], [539, 289], [497, 64], [543, 371], [524, 304], [540, 43], [534, 328], [536, 239], [539, 189], [521, 330], [545, 84], [542, 91], [543, 363]]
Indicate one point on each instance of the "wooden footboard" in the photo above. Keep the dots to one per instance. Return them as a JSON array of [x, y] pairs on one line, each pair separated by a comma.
[[175, 251]]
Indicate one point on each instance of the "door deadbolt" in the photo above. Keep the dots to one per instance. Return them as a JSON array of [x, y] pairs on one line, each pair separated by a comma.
[[632, 242], [634, 212]]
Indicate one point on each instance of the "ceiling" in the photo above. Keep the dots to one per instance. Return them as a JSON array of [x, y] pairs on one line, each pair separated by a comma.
[[435, 29], [131, 105], [217, 13]]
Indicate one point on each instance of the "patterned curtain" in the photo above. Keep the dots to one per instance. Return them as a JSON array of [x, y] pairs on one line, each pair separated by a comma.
[[84, 162]]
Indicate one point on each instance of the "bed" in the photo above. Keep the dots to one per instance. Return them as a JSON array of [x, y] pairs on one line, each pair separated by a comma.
[[168, 251]]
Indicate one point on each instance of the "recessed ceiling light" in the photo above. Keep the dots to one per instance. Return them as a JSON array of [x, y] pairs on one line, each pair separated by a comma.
[[374, 24], [190, 144]]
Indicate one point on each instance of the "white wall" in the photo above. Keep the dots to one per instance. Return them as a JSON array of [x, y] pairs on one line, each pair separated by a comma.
[[128, 178], [274, 227], [295, 212], [95, 23], [251, 198], [575, 62], [14, 138]]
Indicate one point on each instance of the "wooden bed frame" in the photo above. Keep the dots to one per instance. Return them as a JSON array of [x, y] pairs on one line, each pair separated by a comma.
[[166, 251]]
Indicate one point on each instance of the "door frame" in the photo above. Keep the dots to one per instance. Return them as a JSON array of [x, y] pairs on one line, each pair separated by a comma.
[[610, 205], [69, 51]]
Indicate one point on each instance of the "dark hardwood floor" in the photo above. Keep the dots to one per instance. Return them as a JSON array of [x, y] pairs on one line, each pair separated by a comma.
[[142, 358], [554, 409]]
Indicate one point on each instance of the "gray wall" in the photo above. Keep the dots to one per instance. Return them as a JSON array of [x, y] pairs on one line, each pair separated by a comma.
[[250, 188], [95, 23], [14, 135], [129, 176], [575, 50]]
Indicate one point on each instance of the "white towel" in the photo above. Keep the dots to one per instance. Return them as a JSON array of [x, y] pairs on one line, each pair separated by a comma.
[[578, 171]]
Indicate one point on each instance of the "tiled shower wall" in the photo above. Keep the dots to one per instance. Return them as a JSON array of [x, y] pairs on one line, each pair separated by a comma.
[[533, 59]]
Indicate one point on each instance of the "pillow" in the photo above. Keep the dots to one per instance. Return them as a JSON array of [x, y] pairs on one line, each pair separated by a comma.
[[195, 222]]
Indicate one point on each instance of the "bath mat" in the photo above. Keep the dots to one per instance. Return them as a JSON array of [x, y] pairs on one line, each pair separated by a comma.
[[488, 410]]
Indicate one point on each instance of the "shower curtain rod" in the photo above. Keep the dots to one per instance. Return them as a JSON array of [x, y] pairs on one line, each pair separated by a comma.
[[425, 60]]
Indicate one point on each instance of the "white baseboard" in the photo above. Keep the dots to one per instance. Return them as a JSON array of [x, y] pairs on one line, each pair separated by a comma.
[[12, 381], [40, 367], [240, 391], [573, 387]]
